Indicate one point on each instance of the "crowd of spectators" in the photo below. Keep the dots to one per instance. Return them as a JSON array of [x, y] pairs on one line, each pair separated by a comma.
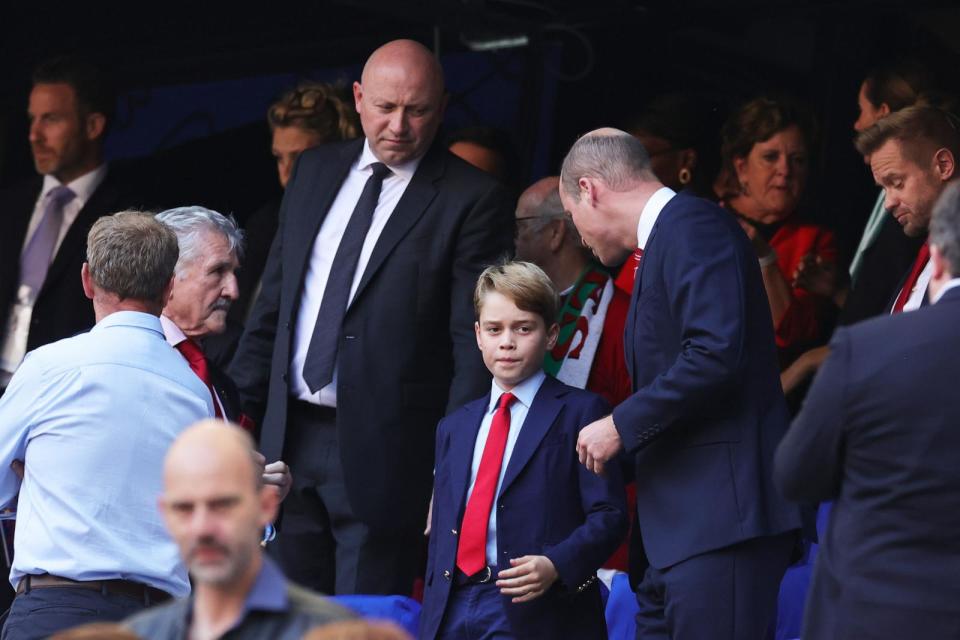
[[673, 269]]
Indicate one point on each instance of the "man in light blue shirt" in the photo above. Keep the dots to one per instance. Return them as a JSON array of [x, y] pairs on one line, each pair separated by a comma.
[[92, 417]]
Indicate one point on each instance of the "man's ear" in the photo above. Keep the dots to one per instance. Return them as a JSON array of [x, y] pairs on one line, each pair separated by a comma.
[[87, 280], [941, 268], [883, 111], [556, 234], [357, 95], [589, 191], [269, 504], [167, 292], [96, 124], [944, 164]]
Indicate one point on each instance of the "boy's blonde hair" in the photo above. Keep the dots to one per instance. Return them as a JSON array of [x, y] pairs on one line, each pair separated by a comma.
[[525, 284]]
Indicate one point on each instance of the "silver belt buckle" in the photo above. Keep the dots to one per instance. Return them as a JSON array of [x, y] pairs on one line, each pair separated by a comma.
[[487, 577]]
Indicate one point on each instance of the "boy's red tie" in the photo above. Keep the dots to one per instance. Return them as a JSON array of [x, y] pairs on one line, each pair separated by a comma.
[[471, 551]]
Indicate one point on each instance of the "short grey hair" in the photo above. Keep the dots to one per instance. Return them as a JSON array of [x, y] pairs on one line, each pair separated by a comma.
[[945, 226], [132, 255], [617, 158], [550, 209], [189, 223]]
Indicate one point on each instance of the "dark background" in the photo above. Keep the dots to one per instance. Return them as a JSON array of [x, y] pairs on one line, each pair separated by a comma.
[[195, 82]]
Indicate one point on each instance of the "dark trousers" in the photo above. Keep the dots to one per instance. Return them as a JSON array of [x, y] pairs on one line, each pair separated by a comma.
[[39, 613], [320, 543], [730, 593], [475, 612]]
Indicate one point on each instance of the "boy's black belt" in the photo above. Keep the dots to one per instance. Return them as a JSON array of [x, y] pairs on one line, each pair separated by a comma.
[[486, 575]]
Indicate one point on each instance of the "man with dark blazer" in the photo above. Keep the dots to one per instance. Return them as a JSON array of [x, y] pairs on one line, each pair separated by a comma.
[[362, 337], [707, 408], [878, 436], [46, 220]]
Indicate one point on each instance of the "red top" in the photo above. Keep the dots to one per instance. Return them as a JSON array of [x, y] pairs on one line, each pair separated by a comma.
[[803, 323]]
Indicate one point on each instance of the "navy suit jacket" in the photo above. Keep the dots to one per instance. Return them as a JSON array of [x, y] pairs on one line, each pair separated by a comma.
[[549, 504], [407, 351], [707, 409], [879, 434]]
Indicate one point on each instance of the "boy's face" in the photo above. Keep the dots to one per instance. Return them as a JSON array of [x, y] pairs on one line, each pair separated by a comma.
[[513, 341]]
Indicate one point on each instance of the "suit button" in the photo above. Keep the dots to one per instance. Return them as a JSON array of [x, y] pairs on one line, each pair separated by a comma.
[[446, 575], [453, 531], [286, 325], [283, 377]]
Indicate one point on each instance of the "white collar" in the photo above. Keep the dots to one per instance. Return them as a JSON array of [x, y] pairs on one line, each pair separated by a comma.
[[171, 331], [949, 284], [82, 187], [525, 392], [404, 171], [651, 211]]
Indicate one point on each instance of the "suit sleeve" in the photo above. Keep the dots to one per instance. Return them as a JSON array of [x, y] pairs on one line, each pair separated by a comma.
[[705, 291], [809, 459], [603, 501], [485, 237], [250, 368]]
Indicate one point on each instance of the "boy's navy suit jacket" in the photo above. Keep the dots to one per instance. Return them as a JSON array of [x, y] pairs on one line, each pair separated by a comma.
[[549, 504]]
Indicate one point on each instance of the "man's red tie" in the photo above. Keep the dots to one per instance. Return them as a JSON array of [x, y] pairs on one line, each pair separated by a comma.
[[922, 258], [198, 364], [472, 549]]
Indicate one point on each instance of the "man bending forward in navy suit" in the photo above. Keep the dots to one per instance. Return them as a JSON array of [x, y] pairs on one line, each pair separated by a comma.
[[707, 409]]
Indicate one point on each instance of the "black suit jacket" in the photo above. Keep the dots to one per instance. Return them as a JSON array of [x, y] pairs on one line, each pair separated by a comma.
[[880, 434], [407, 350], [61, 309]]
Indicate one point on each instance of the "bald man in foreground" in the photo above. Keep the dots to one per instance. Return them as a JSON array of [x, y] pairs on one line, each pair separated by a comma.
[[362, 337], [215, 505], [707, 409]]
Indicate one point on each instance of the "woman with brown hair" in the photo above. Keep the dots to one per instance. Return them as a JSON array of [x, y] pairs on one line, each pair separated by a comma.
[[766, 148]]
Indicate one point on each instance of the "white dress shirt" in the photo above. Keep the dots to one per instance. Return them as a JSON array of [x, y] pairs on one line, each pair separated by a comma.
[[525, 392], [651, 211], [92, 417], [324, 250], [175, 336], [920, 289], [14, 346]]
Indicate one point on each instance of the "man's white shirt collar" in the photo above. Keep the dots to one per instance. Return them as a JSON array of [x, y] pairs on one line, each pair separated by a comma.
[[171, 331], [651, 211], [83, 187], [949, 284]]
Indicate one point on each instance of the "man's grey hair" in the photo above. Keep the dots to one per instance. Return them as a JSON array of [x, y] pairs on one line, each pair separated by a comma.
[[550, 209], [132, 255], [190, 223], [617, 158], [945, 226]]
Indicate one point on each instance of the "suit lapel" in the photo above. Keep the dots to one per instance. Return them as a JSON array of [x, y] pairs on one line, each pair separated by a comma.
[[541, 416], [16, 214], [462, 441], [416, 198], [324, 186]]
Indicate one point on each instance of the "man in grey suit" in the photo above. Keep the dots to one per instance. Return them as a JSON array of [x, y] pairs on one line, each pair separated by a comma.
[[362, 336]]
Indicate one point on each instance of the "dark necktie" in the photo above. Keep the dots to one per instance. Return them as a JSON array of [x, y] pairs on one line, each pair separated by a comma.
[[36, 256], [198, 364], [918, 265], [472, 547], [322, 352]]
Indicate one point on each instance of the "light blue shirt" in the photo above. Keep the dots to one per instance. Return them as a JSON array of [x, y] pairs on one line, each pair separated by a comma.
[[525, 392], [92, 417]]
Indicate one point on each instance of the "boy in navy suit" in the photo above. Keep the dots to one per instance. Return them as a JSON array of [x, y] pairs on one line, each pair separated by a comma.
[[519, 527]]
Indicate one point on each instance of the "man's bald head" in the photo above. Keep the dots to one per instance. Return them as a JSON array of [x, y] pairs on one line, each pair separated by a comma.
[[607, 154], [400, 99], [213, 443], [543, 227], [214, 503], [535, 195]]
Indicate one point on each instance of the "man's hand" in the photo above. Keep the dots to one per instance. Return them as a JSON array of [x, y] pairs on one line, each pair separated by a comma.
[[17, 467], [276, 474], [529, 578], [598, 443]]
